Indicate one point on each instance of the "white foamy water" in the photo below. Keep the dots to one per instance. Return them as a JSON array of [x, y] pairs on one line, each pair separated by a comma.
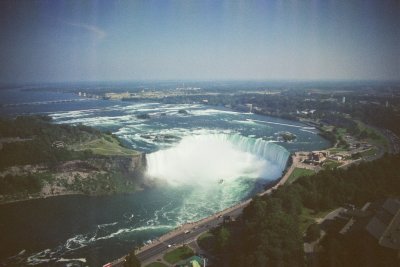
[[204, 160]]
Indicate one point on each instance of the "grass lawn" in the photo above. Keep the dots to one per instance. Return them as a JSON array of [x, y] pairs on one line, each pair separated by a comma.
[[298, 172], [106, 145], [156, 264], [379, 139], [369, 152], [337, 150], [330, 164], [308, 217], [178, 254], [206, 241], [340, 132], [327, 128]]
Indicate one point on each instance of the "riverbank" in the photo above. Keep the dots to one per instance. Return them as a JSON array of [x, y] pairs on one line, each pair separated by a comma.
[[96, 176]]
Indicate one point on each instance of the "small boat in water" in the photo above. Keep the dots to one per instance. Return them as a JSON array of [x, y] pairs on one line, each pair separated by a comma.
[[221, 181]]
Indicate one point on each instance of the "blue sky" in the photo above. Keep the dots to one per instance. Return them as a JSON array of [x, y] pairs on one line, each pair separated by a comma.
[[51, 41]]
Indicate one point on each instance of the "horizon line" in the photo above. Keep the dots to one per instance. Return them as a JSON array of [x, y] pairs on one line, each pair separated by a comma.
[[43, 83]]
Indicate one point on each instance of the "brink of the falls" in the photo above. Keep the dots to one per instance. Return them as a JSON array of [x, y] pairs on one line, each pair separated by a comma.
[[203, 160]]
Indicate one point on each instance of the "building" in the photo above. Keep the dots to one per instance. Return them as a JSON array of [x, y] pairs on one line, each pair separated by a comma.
[[384, 226], [336, 157], [380, 221], [194, 261], [316, 157], [369, 236]]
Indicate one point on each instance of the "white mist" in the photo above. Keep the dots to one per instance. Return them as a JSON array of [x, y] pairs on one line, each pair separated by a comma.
[[209, 160]]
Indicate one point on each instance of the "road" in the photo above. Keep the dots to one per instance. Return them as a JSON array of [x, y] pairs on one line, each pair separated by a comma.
[[184, 235], [187, 234]]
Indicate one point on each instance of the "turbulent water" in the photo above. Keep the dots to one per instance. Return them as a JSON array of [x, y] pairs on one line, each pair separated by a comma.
[[203, 161]]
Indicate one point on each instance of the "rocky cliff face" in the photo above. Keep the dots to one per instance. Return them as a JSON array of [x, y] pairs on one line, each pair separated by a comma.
[[132, 165], [94, 176]]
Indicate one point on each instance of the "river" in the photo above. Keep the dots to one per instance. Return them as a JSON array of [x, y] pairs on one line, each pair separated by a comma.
[[206, 159]]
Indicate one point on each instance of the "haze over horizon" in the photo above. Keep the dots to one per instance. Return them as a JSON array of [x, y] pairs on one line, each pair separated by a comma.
[[56, 41]]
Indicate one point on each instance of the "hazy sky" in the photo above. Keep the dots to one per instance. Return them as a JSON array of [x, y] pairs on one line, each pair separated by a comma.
[[47, 41]]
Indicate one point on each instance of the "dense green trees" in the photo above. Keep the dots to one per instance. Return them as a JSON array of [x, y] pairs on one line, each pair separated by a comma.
[[359, 184], [131, 260], [268, 233], [313, 232], [34, 141], [222, 239], [20, 184]]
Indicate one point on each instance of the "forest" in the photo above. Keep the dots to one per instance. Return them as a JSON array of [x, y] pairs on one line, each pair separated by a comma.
[[32, 139], [269, 231]]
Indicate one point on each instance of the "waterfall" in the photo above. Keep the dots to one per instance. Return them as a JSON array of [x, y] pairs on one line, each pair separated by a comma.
[[204, 159], [263, 149]]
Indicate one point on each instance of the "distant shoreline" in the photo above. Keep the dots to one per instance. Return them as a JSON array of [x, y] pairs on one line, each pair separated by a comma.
[[42, 197]]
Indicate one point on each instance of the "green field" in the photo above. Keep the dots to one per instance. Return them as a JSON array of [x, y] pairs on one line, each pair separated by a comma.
[[369, 152], [298, 172], [374, 136], [330, 164], [106, 146], [308, 217], [340, 132], [178, 254]]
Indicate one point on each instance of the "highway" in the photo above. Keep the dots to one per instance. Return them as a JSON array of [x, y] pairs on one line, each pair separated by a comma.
[[186, 235], [183, 235]]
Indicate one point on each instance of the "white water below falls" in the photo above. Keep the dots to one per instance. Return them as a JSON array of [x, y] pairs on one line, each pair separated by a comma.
[[212, 159]]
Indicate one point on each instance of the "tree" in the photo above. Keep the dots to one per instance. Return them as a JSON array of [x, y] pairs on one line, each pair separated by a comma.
[[131, 260], [313, 232], [223, 237]]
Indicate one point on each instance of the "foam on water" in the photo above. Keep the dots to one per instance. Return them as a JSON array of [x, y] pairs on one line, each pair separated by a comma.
[[203, 160], [284, 124], [210, 112], [80, 241], [213, 171]]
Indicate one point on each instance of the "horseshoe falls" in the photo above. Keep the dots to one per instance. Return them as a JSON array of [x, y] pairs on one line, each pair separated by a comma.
[[216, 171], [198, 163], [207, 159]]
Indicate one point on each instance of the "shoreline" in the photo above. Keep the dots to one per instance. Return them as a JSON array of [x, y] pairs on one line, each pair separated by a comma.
[[241, 205], [66, 194], [45, 197]]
